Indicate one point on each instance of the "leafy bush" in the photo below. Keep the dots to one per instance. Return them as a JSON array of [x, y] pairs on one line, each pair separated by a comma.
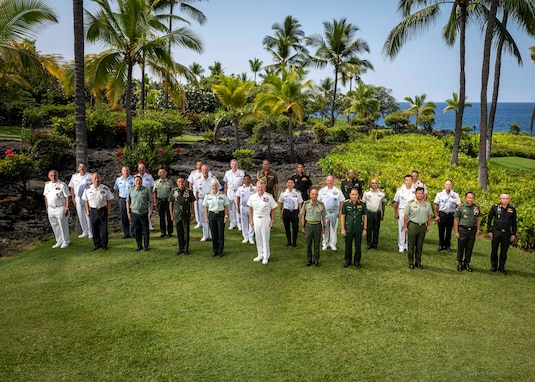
[[15, 170], [321, 132], [41, 117], [153, 159], [379, 134], [147, 130], [208, 136], [398, 121], [507, 144], [47, 149], [391, 157], [248, 123], [244, 158], [200, 100], [173, 123], [467, 143]]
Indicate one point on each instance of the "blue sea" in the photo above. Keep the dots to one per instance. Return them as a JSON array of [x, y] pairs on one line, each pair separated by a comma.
[[506, 113]]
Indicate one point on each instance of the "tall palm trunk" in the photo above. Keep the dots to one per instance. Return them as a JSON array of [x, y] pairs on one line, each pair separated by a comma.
[[496, 88], [166, 93], [128, 103], [79, 86], [143, 97], [483, 174], [236, 133], [531, 123], [291, 137], [334, 94], [462, 88]]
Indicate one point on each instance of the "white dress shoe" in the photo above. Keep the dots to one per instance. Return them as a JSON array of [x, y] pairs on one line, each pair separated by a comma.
[[245, 241], [64, 245], [251, 241], [57, 245], [204, 238], [258, 258]]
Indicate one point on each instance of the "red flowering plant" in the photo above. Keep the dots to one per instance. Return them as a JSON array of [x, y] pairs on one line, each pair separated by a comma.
[[15, 170], [161, 156]]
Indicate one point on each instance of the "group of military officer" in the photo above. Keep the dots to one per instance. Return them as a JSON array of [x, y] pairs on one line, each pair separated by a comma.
[[318, 211]]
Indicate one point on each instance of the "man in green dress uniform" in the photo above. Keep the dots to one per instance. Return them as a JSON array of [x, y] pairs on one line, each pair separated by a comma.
[[313, 215], [418, 214], [160, 191], [180, 206], [466, 222], [139, 210], [354, 221]]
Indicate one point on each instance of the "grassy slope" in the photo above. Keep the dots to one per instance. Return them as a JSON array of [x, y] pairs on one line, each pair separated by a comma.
[[514, 163], [121, 316]]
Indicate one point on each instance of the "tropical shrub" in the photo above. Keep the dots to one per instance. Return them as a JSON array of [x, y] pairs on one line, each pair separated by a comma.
[[161, 156], [41, 117], [244, 158], [15, 170], [200, 100], [321, 132], [147, 131], [507, 144], [467, 143], [378, 134], [47, 149], [398, 121], [248, 123], [173, 123]]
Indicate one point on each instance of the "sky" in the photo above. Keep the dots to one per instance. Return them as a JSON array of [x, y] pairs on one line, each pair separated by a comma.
[[235, 29]]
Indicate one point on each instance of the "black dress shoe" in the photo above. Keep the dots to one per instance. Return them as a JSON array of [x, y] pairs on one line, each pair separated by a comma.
[[104, 247], [179, 252], [95, 248], [448, 249], [467, 267], [411, 266], [368, 247], [419, 266], [146, 249], [294, 245], [221, 254], [162, 235], [346, 264], [139, 249], [493, 269], [357, 265], [126, 237], [287, 244], [317, 263], [309, 263], [170, 235], [502, 270], [214, 254], [460, 267], [440, 248], [186, 253]]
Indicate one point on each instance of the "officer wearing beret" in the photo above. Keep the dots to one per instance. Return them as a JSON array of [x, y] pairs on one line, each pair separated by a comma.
[[417, 218], [314, 219], [501, 229], [161, 191], [354, 221], [180, 206], [466, 222]]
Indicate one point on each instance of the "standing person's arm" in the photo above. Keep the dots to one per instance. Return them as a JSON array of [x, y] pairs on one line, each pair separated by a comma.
[[406, 222], [513, 226], [171, 207], [251, 221], [456, 227], [437, 217], [108, 205], [272, 215], [343, 224], [396, 214], [478, 225], [383, 206], [490, 221], [303, 223], [429, 218], [73, 196], [365, 229]]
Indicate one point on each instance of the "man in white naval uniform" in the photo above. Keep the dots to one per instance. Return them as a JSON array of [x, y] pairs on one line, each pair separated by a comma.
[[333, 199], [77, 185], [193, 176], [201, 187], [261, 215], [233, 180], [243, 194], [403, 195], [57, 196]]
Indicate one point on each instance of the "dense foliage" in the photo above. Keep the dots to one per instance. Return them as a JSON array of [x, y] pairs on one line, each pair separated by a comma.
[[391, 157]]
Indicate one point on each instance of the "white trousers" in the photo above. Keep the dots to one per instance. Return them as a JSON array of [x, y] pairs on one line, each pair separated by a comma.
[[234, 216], [59, 223], [330, 235], [197, 206], [203, 223], [247, 230], [402, 236], [262, 233], [82, 217]]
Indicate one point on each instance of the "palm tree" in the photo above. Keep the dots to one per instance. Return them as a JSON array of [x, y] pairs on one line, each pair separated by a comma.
[[482, 170], [196, 69], [338, 48], [128, 45], [287, 45], [21, 20], [286, 95], [352, 70], [453, 104], [418, 107], [363, 104], [216, 69], [532, 56], [255, 65], [233, 92], [79, 74]]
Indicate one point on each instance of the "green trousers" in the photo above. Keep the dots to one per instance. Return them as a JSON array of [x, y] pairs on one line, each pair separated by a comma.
[[350, 238], [415, 242], [313, 235]]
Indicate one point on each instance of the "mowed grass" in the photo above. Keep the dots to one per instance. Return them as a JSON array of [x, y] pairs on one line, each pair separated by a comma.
[[514, 163], [10, 132], [120, 315]]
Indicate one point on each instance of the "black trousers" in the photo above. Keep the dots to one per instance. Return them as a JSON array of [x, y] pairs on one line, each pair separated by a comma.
[[98, 218], [217, 226], [166, 225], [355, 237], [140, 223], [499, 240], [465, 244], [182, 231], [291, 219], [128, 228], [445, 226], [374, 224]]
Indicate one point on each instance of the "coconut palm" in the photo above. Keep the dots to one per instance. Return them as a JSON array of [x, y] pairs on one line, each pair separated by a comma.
[[338, 47], [255, 65], [352, 70], [363, 104], [453, 104], [134, 33], [287, 46], [233, 92], [196, 69], [79, 74], [21, 20], [286, 95], [216, 69], [419, 107]]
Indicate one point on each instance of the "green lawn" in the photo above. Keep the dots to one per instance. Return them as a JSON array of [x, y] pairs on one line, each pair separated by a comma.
[[515, 163], [120, 315], [10, 132]]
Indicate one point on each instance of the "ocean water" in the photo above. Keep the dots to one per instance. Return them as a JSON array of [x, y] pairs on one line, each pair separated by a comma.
[[506, 113]]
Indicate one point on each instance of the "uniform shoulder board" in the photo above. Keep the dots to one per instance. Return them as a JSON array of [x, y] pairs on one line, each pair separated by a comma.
[[74, 174], [61, 182], [89, 185], [410, 201], [105, 188], [347, 200], [267, 193], [132, 187], [48, 182]]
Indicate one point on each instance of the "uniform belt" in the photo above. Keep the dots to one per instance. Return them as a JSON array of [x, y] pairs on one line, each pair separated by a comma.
[[467, 228], [286, 209], [420, 224], [120, 197], [313, 223], [163, 199], [97, 208], [56, 206], [446, 213]]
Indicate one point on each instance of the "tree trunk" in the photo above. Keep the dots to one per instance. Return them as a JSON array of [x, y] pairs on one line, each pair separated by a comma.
[[459, 113], [291, 138], [79, 86], [531, 123], [128, 104], [334, 95], [483, 174], [143, 82], [496, 88], [236, 133], [268, 154]]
